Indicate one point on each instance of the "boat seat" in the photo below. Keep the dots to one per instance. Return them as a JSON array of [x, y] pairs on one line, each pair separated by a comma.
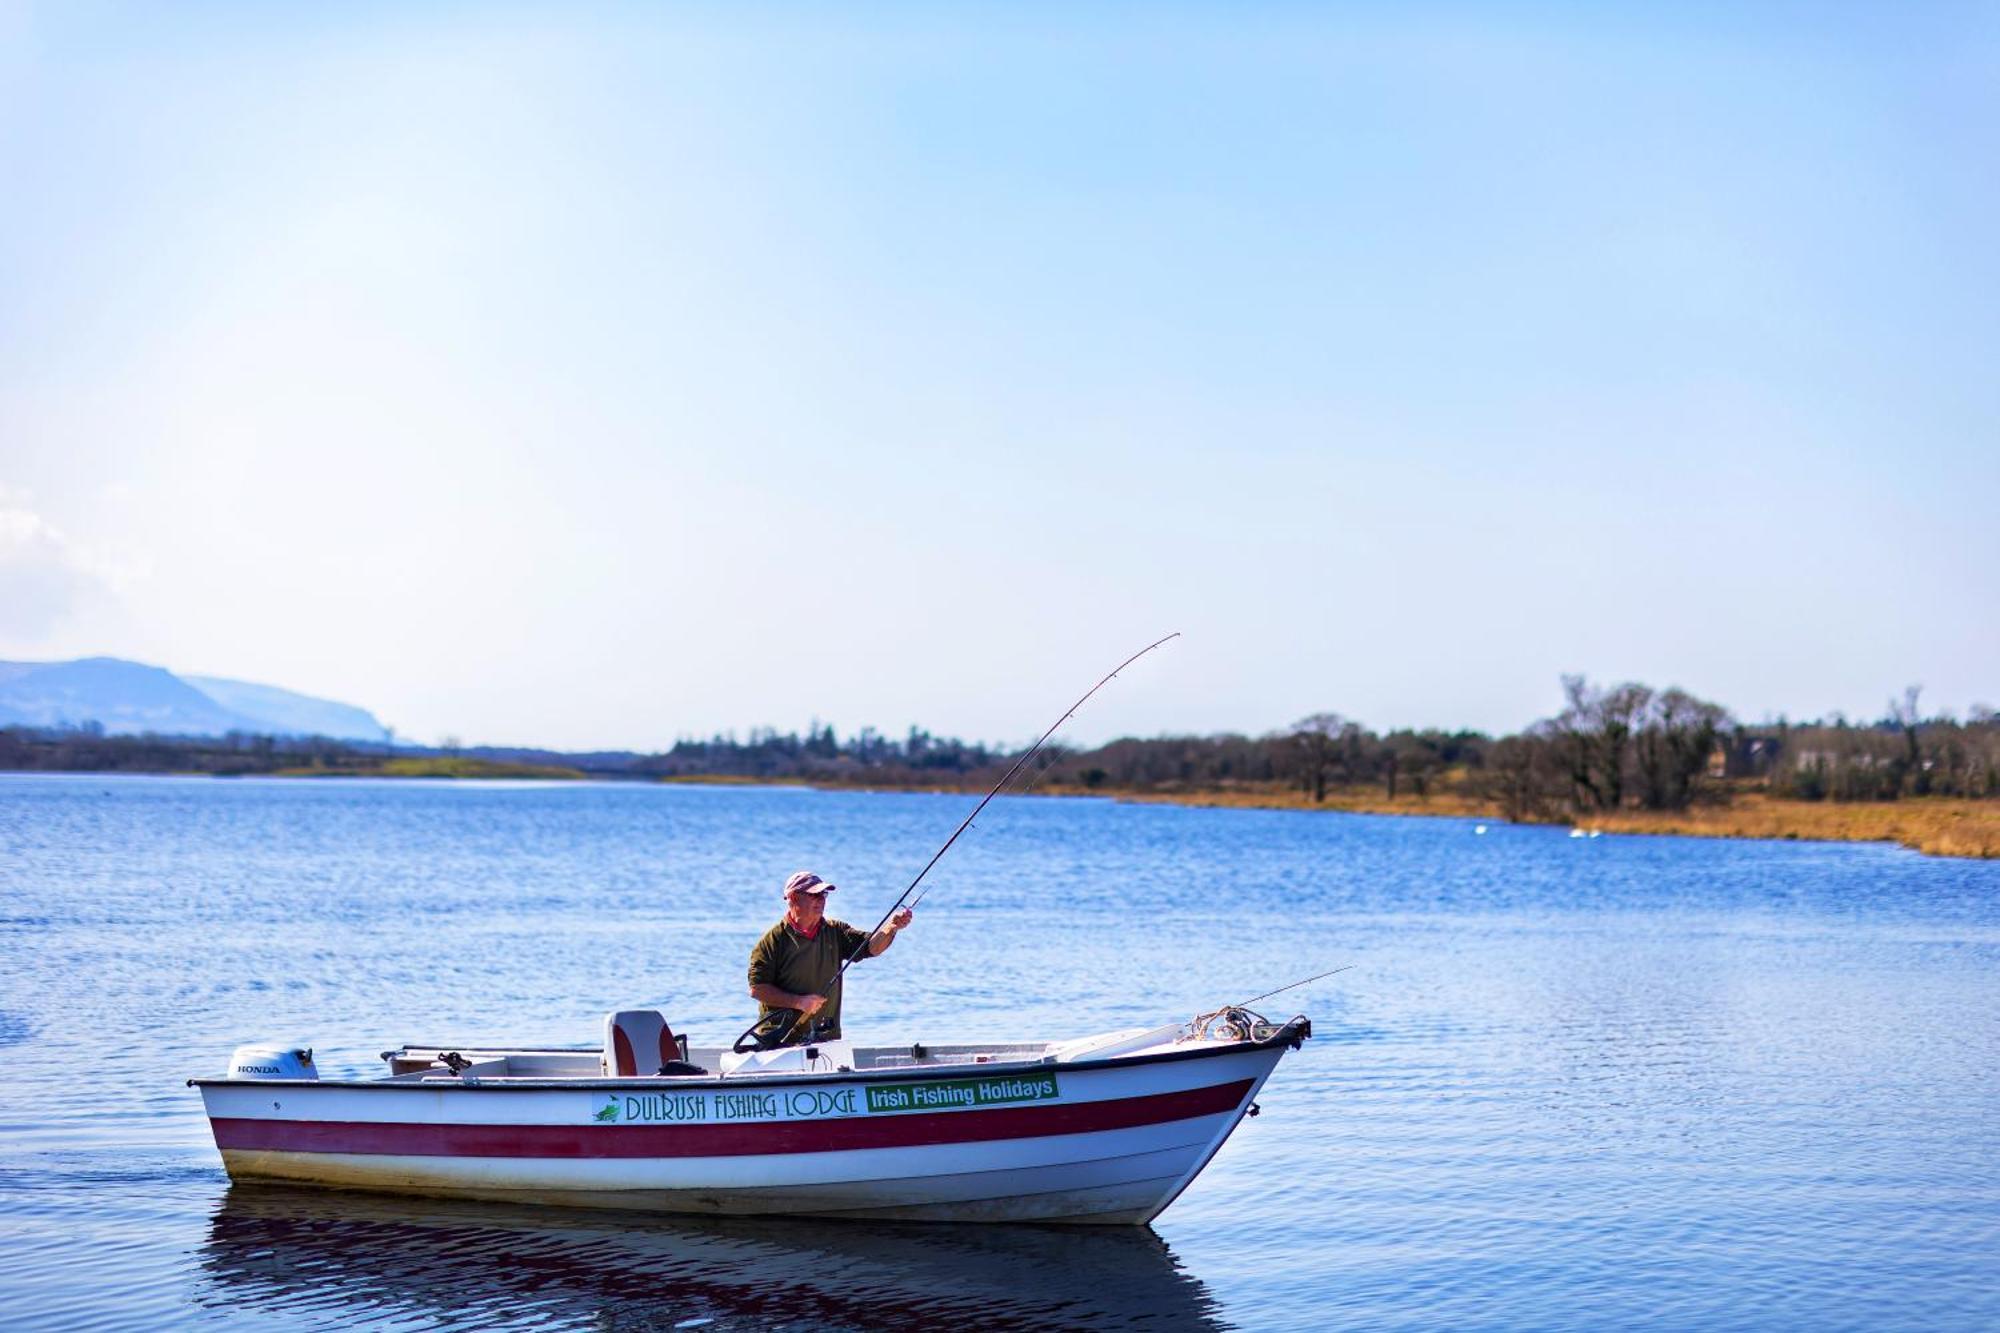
[[639, 1044]]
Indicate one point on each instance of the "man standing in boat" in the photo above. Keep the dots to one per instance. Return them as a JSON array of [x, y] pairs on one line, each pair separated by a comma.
[[793, 966]]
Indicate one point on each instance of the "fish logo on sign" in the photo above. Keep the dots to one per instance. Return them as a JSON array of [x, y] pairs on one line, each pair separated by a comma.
[[609, 1114]]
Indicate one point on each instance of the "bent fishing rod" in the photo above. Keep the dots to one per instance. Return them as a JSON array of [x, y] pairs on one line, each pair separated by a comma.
[[965, 824]]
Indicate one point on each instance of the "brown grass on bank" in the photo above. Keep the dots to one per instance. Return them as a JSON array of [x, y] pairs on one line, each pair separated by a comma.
[[437, 766], [1937, 825]]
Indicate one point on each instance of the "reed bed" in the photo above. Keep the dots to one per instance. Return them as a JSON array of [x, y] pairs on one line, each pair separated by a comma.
[[1938, 826]]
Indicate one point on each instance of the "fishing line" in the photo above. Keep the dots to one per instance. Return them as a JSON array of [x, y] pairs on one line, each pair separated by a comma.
[[1033, 778], [1024, 785]]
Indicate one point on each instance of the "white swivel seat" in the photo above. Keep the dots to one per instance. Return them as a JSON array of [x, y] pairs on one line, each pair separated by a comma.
[[638, 1043]]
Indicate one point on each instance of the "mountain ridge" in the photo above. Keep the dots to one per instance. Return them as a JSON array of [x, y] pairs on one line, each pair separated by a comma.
[[129, 698]]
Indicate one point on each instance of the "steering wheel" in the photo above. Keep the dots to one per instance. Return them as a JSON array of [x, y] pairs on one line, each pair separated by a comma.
[[755, 1040]]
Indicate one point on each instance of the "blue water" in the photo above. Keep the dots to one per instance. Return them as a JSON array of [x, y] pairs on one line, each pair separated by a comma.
[[1569, 1083]]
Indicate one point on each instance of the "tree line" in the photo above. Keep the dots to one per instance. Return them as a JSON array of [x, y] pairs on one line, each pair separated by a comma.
[[1624, 746], [88, 749], [763, 753]]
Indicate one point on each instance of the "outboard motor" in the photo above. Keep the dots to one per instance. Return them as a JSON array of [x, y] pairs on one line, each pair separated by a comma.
[[272, 1062]]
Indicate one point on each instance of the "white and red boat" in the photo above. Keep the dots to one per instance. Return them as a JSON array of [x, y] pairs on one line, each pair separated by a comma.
[[1105, 1129]]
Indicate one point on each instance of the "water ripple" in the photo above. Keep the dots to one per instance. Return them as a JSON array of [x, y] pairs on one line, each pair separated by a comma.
[[1646, 1082]]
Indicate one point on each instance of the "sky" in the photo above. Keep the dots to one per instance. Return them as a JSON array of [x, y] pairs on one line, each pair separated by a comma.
[[596, 376]]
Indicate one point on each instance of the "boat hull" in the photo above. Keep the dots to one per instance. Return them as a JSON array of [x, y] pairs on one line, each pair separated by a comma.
[[1105, 1142]]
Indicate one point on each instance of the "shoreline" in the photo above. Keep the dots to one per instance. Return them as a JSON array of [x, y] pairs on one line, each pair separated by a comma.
[[1957, 827], [1948, 826], [1933, 825]]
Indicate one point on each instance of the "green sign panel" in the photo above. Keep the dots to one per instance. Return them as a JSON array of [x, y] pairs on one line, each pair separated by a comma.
[[962, 1094]]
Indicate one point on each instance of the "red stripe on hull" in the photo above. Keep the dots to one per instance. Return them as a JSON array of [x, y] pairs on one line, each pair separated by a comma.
[[793, 1136]]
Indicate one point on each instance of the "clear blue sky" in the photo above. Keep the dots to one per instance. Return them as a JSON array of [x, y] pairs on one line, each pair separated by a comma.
[[530, 375]]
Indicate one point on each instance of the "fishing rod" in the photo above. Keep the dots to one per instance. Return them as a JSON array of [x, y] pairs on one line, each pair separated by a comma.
[[1294, 986], [1236, 1022], [1018, 765]]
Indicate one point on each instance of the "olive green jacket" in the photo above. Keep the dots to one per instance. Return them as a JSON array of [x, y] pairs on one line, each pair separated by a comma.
[[788, 960]]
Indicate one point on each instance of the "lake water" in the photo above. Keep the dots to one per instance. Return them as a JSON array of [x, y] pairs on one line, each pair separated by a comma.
[[1569, 1082]]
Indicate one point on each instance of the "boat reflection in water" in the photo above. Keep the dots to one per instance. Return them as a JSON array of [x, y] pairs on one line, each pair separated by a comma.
[[356, 1258]]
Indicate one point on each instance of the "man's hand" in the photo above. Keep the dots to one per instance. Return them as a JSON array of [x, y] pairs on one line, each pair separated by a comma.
[[765, 993], [886, 936]]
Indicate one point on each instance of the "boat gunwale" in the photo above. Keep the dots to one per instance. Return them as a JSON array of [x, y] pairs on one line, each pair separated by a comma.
[[1292, 1032]]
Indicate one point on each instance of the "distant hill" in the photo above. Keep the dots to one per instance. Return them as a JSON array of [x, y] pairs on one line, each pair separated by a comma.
[[287, 713], [131, 697]]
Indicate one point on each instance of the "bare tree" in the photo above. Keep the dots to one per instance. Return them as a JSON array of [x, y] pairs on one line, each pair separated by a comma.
[[1593, 735], [1317, 743], [1519, 773], [1673, 746], [1909, 766]]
